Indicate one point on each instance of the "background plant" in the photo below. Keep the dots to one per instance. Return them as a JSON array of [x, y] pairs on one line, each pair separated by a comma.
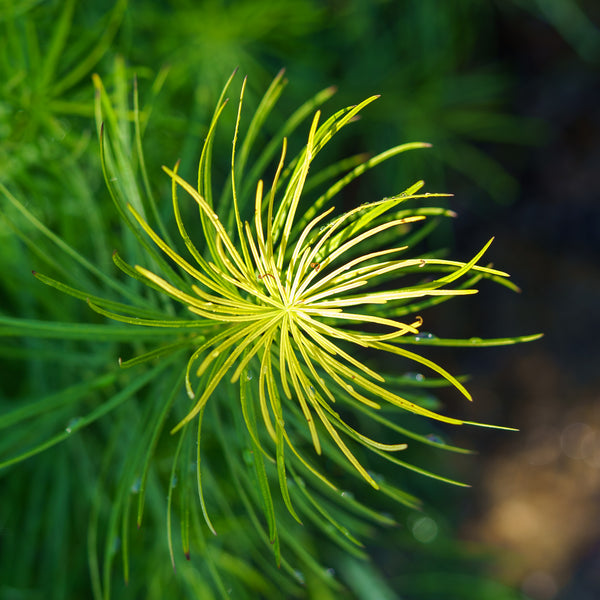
[[32, 362]]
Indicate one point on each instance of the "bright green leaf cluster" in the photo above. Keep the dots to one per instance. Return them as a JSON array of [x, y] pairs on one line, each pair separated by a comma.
[[280, 304]]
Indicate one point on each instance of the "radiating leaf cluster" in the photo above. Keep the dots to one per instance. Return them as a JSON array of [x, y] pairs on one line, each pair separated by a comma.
[[269, 306]]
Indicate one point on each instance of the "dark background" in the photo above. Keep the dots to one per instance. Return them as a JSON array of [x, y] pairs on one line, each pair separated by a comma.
[[540, 487], [537, 491]]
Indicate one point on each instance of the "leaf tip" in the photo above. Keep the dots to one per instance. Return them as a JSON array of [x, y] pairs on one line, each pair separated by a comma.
[[97, 83]]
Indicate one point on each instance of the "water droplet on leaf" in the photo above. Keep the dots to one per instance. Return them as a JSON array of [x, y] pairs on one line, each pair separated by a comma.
[[436, 439], [424, 336], [73, 424], [414, 376], [136, 486]]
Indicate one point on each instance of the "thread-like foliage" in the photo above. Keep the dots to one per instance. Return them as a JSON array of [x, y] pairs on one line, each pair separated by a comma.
[[271, 308]]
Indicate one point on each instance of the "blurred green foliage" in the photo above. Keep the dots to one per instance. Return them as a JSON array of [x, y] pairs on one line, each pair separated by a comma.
[[441, 82]]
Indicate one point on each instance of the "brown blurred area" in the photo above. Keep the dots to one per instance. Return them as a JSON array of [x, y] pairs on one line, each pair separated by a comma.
[[539, 493]]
